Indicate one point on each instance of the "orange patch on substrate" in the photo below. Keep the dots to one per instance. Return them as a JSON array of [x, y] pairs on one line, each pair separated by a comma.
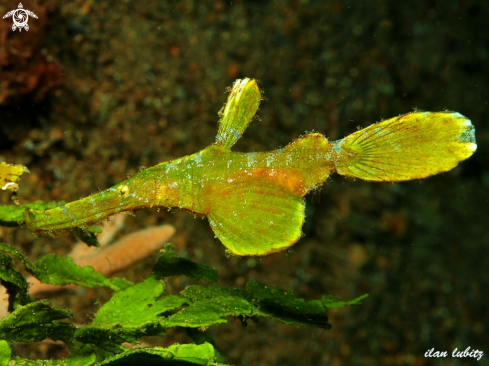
[[233, 70], [175, 51], [129, 249]]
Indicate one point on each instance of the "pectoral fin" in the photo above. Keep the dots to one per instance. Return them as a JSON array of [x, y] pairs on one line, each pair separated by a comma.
[[256, 217]]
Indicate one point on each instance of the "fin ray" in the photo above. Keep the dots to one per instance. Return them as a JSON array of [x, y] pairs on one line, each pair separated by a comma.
[[254, 217], [241, 106], [412, 146]]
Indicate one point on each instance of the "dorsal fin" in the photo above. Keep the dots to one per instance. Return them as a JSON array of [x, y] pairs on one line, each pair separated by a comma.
[[236, 115]]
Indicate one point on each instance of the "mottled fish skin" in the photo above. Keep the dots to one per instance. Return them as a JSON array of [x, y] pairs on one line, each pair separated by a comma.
[[254, 201]]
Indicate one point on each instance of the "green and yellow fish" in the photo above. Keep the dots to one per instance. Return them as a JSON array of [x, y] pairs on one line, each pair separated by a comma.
[[255, 201]]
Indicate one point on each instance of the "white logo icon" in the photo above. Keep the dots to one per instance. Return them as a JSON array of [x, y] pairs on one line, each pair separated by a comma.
[[20, 17]]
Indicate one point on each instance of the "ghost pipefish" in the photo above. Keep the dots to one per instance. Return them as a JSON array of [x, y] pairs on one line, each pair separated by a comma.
[[255, 201]]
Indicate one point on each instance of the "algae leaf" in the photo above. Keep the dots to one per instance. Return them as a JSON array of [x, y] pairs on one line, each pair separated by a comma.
[[31, 268], [130, 315], [170, 264], [285, 307], [211, 305], [57, 270], [16, 285], [138, 304], [5, 353], [200, 337], [63, 271], [81, 355], [110, 337], [334, 302], [11, 215], [143, 309], [84, 355], [175, 355], [88, 236], [37, 321]]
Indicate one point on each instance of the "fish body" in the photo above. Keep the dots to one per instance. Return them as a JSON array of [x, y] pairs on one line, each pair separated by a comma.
[[255, 201]]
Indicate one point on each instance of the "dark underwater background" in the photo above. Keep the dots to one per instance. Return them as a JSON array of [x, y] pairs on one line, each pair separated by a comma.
[[96, 89]]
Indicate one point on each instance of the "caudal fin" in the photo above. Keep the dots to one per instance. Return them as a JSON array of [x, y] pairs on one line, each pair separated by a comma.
[[411, 146]]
